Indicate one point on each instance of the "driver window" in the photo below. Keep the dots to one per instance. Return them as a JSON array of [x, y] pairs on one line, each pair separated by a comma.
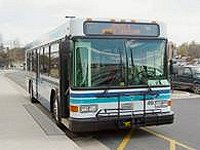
[[82, 70], [187, 72]]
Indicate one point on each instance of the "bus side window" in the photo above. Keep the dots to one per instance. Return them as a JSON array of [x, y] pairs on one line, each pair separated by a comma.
[[54, 60], [33, 61], [28, 61], [41, 64], [46, 61]]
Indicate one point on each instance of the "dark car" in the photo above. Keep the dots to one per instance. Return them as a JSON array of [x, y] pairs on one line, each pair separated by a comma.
[[187, 78]]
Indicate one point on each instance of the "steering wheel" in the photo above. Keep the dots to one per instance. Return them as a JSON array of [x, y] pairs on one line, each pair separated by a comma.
[[146, 74]]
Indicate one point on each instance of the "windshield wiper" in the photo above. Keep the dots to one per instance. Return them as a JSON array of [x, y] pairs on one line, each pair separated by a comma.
[[151, 92]]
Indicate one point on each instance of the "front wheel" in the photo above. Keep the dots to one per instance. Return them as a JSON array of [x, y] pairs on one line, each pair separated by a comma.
[[56, 111], [196, 88]]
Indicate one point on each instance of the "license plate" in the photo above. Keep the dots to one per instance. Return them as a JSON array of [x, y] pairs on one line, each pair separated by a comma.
[[157, 104], [161, 104], [127, 106]]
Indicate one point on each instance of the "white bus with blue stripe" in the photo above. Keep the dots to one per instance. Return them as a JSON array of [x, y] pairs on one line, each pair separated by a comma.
[[95, 74]]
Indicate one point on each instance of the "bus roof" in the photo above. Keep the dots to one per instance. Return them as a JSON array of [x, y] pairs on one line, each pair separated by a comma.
[[74, 27]]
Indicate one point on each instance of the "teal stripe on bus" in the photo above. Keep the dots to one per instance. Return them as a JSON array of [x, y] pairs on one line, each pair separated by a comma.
[[115, 99]]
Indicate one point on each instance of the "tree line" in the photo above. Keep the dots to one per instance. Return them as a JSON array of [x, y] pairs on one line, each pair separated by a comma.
[[191, 50], [8, 57]]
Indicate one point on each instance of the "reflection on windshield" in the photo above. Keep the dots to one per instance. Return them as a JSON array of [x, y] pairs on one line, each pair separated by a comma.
[[145, 60], [98, 62], [117, 62]]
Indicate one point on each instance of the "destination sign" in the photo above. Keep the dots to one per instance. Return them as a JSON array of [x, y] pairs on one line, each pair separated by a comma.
[[121, 28]]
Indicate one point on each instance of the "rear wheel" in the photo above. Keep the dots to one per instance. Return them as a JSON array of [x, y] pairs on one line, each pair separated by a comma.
[[56, 111]]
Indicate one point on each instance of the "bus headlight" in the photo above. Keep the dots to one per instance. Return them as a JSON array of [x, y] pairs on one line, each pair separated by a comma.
[[88, 108]]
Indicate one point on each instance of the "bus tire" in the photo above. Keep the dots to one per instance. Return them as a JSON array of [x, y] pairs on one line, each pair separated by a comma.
[[32, 98], [55, 110], [196, 88]]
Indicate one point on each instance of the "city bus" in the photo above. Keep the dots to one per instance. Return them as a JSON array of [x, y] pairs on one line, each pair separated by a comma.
[[95, 74]]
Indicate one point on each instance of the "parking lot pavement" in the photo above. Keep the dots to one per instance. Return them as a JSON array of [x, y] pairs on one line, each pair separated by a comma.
[[18, 129], [176, 94]]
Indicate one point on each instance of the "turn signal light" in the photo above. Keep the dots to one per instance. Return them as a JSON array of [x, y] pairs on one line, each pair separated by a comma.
[[169, 103], [73, 108]]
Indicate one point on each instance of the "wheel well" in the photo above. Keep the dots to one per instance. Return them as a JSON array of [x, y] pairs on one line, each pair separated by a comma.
[[53, 92], [29, 86]]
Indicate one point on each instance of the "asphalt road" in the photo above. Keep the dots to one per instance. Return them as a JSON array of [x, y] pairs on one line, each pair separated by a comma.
[[183, 134]]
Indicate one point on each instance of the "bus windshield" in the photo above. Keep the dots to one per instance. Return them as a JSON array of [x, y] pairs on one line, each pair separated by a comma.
[[117, 62]]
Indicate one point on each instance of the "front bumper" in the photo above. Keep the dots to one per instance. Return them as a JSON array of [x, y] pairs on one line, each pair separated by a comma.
[[108, 123]]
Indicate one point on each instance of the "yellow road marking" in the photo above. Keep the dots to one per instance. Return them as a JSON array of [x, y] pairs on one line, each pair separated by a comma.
[[125, 140], [170, 140], [172, 145]]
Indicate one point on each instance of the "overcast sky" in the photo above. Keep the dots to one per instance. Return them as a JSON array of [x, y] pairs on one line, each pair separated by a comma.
[[28, 19]]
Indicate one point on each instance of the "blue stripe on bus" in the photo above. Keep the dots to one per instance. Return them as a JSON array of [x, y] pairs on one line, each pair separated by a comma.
[[87, 95], [115, 99]]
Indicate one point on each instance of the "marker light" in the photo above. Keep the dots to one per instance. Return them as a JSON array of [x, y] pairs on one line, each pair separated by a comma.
[[89, 19], [169, 103], [153, 22], [133, 20]]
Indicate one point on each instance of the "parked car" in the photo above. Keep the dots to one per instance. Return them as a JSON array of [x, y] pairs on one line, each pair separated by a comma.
[[187, 78]]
